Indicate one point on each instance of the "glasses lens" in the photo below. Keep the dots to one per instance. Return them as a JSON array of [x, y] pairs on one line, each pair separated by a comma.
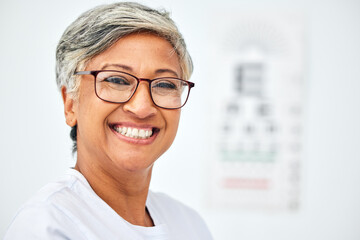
[[115, 86], [169, 92]]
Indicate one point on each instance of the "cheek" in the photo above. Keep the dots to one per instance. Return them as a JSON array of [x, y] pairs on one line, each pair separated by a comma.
[[91, 111], [172, 118]]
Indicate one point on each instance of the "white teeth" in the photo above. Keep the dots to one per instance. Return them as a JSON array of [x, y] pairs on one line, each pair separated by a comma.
[[133, 132], [148, 133], [142, 133], [128, 133]]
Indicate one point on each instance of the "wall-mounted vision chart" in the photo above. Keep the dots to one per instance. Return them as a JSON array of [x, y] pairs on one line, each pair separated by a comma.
[[257, 94]]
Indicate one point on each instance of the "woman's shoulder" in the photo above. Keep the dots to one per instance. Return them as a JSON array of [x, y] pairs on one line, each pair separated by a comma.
[[54, 193], [46, 212], [163, 201], [179, 217], [40, 221]]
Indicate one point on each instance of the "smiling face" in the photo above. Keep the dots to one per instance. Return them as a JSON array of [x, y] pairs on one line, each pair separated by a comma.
[[128, 136]]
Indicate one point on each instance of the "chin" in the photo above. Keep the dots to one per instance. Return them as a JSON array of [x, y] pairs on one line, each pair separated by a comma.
[[134, 165]]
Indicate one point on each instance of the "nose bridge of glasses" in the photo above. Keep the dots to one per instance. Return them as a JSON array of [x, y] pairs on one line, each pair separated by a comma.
[[148, 85], [139, 86], [145, 80]]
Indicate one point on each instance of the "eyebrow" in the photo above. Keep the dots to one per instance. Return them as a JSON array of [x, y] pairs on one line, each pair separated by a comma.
[[166, 70], [127, 68], [130, 69]]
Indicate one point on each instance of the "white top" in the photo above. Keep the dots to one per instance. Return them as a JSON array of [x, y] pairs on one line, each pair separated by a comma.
[[70, 209]]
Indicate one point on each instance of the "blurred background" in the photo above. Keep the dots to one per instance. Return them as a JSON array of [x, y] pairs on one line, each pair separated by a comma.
[[314, 195]]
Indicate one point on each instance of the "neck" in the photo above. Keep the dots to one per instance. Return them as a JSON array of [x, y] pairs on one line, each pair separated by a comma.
[[124, 191]]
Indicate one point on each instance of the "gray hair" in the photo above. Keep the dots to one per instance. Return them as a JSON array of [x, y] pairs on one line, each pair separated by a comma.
[[99, 28]]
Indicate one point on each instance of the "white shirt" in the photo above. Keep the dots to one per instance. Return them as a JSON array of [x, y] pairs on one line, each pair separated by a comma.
[[70, 209]]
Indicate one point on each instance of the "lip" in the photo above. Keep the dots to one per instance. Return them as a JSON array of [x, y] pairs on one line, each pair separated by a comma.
[[135, 140]]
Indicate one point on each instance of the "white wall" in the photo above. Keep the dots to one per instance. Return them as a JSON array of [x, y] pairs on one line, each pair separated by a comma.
[[35, 147]]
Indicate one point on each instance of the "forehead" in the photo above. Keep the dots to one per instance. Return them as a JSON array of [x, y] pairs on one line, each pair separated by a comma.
[[141, 51]]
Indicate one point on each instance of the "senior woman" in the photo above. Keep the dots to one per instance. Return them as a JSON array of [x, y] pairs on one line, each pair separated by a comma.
[[122, 70]]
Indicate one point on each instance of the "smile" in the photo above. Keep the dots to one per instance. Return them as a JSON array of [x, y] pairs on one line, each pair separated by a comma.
[[136, 133]]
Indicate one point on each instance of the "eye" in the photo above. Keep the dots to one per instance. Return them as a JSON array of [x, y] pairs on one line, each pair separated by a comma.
[[165, 84], [116, 80]]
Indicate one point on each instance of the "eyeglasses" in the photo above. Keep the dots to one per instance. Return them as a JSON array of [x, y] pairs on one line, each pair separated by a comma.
[[118, 87]]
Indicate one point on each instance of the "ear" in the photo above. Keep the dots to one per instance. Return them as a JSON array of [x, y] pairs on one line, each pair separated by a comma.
[[69, 108]]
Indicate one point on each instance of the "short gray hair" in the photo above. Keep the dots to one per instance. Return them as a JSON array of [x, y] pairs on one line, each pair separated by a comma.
[[99, 28]]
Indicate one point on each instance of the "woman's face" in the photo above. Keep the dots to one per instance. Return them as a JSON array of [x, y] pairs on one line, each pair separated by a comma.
[[99, 144]]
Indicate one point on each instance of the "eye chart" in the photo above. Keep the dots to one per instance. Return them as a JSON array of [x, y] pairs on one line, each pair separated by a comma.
[[257, 90]]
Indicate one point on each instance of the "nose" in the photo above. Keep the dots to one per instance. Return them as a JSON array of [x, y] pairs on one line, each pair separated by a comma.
[[141, 104]]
